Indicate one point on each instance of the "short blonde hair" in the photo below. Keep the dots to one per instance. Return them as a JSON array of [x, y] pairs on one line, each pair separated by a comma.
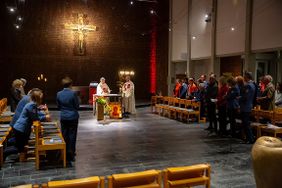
[[17, 83]]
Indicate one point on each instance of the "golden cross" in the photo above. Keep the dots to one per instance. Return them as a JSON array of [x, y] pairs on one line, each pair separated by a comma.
[[80, 29]]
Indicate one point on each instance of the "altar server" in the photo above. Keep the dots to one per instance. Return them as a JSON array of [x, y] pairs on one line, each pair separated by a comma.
[[128, 96]]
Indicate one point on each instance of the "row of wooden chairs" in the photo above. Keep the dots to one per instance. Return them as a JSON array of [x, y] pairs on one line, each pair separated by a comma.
[[175, 108], [274, 116], [5, 129], [175, 177]]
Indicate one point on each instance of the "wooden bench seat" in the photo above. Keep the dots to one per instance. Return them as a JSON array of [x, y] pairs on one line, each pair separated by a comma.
[[187, 176], [149, 178], [89, 182]]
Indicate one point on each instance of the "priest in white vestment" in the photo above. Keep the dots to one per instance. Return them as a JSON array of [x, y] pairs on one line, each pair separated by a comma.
[[128, 96], [103, 88]]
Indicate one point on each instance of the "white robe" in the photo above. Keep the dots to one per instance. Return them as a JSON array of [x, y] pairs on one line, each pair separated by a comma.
[[103, 89], [128, 97]]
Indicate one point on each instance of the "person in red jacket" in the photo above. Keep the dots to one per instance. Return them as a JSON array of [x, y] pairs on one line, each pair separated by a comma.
[[222, 104], [176, 90], [192, 88]]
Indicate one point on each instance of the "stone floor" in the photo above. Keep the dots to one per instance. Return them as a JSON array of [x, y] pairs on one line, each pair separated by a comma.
[[145, 141]]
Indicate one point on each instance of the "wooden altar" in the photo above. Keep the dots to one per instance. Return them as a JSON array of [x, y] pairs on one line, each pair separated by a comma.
[[114, 103]]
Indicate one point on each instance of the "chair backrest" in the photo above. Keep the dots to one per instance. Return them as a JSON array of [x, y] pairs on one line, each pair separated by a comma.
[[277, 115], [188, 104], [149, 178], [187, 176], [182, 103], [153, 100], [176, 102], [90, 182], [3, 105], [196, 105], [166, 100]]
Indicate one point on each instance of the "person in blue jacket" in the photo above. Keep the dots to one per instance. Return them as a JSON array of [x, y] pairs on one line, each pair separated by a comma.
[[21, 105], [246, 104], [22, 127], [232, 104], [68, 104]]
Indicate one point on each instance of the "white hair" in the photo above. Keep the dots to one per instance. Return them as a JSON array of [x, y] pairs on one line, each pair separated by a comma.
[[102, 78], [268, 77]]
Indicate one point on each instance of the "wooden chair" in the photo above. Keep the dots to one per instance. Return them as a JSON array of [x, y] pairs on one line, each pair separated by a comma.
[[196, 110], [181, 109], [90, 182], [174, 108], [153, 103], [26, 186], [43, 144], [161, 102], [164, 106], [271, 131], [3, 140], [187, 176], [145, 179], [4, 118], [191, 108], [277, 116]]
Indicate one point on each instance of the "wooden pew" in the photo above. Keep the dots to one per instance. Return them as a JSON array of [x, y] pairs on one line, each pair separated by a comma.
[[5, 132], [27, 186], [4, 118], [45, 143], [177, 108], [275, 117], [89, 182], [187, 176], [145, 179], [154, 101]]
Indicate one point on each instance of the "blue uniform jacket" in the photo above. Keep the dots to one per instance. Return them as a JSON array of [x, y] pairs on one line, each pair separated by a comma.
[[28, 115], [20, 107], [68, 104], [232, 98], [183, 91], [247, 97]]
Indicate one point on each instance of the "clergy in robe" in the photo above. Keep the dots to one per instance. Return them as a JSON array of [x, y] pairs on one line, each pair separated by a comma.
[[128, 96], [103, 88]]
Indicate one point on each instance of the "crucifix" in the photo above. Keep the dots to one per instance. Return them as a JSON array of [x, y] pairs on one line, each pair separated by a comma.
[[80, 29]]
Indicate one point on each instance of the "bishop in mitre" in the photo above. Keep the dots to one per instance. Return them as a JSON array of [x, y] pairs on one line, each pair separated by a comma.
[[128, 96]]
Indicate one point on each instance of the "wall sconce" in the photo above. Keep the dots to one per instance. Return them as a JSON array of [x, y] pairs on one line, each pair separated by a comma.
[[208, 17], [41, 77]]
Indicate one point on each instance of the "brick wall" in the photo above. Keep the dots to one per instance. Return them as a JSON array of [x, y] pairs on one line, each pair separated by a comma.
[[44, 46]]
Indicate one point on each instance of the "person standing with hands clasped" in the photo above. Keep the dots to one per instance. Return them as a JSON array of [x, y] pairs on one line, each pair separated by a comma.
[[68, 104], [128, 97]]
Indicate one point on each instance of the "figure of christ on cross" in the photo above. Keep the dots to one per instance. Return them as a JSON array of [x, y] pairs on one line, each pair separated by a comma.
[[80, 29]]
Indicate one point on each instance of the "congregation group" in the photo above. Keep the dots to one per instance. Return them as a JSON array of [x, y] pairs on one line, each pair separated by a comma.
[[230, 98], [28, 108]]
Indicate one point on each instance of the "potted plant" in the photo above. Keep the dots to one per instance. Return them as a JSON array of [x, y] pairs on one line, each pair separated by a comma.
[[101, 103]]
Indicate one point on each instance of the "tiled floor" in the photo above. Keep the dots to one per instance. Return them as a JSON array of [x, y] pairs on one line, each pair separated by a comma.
[[146, 141]]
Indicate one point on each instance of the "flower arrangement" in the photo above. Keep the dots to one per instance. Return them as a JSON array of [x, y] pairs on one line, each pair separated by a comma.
[[101, 100]]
